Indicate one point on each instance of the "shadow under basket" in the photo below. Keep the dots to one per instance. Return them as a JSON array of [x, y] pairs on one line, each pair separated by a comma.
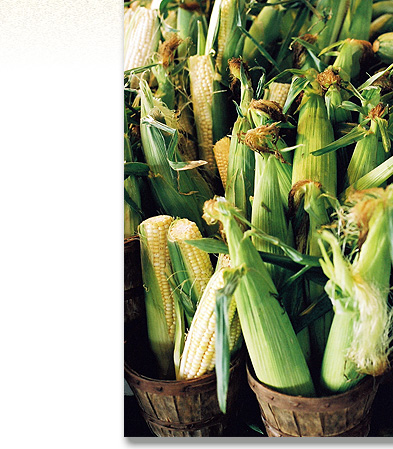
[[343, 415], [187, 408]]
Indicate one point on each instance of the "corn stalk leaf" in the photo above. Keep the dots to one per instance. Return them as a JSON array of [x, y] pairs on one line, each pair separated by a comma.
[[374, 178], [136, 169], [383, 129], [223, 356], [262, 50], [314, 311], [132, 203], [297, 85], [353, 136]]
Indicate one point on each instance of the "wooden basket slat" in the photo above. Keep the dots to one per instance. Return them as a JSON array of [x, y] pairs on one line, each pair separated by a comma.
[[346, 414]]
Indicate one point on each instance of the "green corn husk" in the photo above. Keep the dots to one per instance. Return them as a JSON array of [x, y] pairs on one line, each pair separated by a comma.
[[358, 286], [381, 25], [383, 47], [132, 204], [357, 21], [241, 160], [179, 191], [271, 342], [308, 209], [382, 7], [334, 11], [367, 155], [302, 59], [223, 34], [353, 55], [264, 30], [314, 131], [268, 213], [265, 113]]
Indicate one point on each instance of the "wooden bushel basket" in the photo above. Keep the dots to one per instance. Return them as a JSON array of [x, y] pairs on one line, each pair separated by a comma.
[[187, 408], [342, 415]]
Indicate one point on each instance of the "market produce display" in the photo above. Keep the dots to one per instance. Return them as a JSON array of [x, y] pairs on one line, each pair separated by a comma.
[[258, 176]]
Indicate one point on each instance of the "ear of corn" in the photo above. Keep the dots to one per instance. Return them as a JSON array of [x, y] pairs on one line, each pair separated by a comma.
[[314, 131], [160, 311], [224, 34], [308, 204], [191, 266], [221, 154], [199, 350], [241, 160], [327, 32], [357, 21], [181, 192], [201, 85], [264, 29], [353, 55], [141, 39], [382, 47], [381, 25], [277, 92], [271, 342], [358, 286]]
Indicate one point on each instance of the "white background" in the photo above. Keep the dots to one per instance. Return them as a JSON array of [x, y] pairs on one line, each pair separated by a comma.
[[61, 199]]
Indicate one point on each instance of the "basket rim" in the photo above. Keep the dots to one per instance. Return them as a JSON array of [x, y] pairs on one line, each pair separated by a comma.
[[366, 387], [205, 382]]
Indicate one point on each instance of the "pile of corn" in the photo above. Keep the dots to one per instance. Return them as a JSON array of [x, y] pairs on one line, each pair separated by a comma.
[[258, 174]]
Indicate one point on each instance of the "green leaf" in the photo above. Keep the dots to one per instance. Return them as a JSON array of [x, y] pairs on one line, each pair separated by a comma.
[[374, 78], [136, 169], [132, 203], [314, 311], [374, 178], [223, 299], [210, 245], [297, 86], [350, 106], [353, 136], [262, 50], [383, 129]]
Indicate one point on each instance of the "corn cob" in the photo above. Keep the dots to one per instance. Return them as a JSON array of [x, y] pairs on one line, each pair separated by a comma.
[[199, 350], [201, 84], [271, 342], [221, 154], [160, 311], [277, 92], [224, 33], [190, 265], [140, 40]]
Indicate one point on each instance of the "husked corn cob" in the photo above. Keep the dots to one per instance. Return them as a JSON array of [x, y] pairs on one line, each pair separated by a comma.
[[197, 261], [160, 310], [199, 350], [201, 85], [221, 153], [140, 39], [277, 92]]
